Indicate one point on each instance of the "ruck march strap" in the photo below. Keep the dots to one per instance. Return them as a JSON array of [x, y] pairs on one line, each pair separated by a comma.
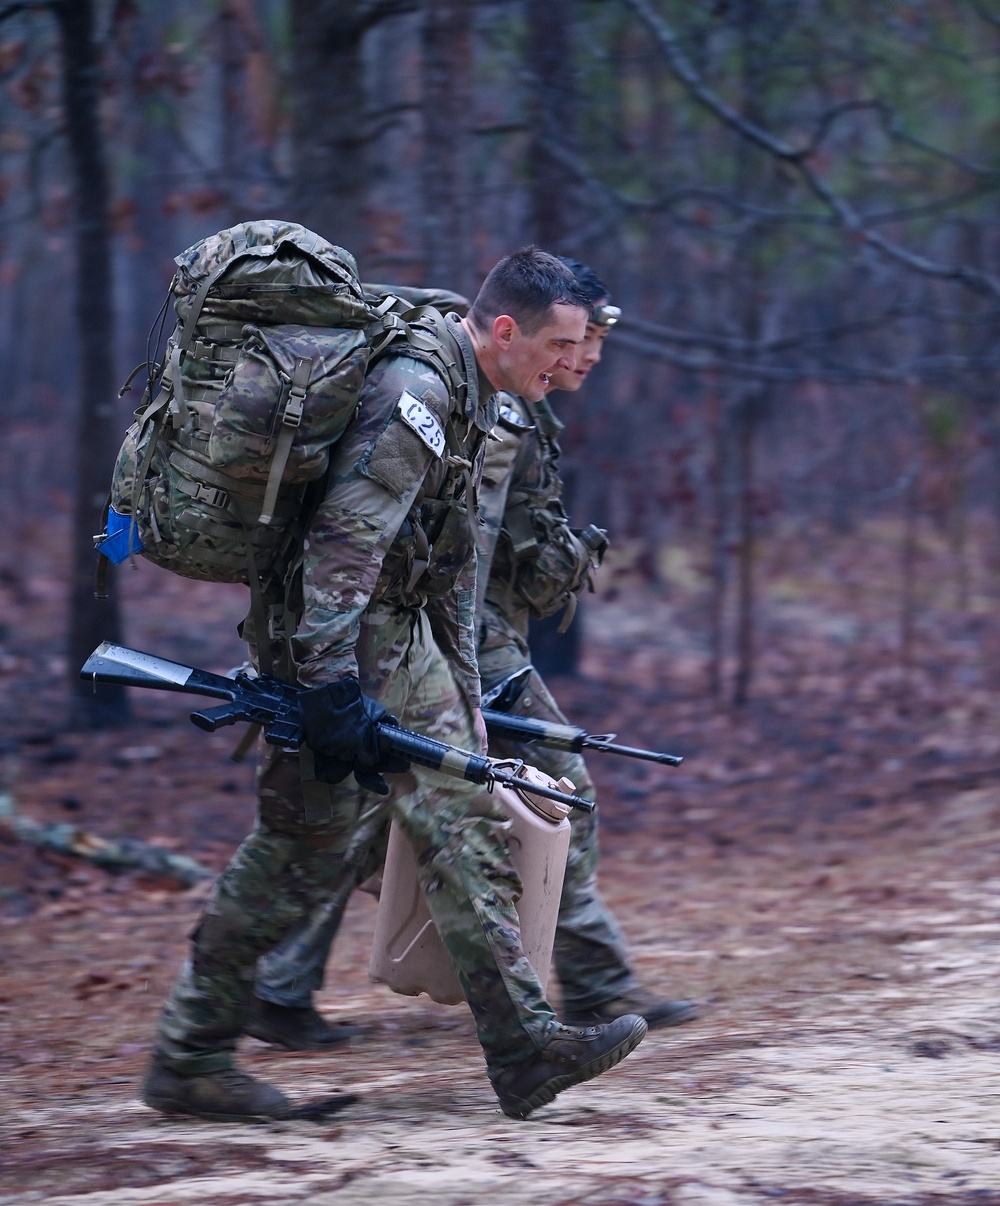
[[291, 417]]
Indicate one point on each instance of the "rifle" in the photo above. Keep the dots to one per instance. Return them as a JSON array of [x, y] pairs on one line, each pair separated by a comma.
[[273, 704], [556, 736]]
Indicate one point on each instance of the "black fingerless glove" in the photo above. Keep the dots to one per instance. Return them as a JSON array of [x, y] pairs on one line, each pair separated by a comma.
[[341, 724]]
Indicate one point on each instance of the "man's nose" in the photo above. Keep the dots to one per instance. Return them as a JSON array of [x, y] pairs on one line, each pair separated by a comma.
[[567, 361]]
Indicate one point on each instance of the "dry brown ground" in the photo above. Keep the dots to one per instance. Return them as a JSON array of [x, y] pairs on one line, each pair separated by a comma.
[[822, 873]]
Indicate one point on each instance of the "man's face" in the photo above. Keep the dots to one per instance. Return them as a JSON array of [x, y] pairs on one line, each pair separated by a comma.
[[588, 353], [526, 363]]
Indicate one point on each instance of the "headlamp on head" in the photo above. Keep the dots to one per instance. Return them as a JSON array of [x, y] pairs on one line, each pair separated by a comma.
[[605, 315]]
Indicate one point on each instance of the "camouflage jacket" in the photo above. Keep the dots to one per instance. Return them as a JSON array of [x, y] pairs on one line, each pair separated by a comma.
[[397, 523], [531, 563]]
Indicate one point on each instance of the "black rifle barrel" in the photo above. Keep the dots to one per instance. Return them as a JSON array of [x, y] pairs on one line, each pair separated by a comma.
[[476, 768], [565, 737]]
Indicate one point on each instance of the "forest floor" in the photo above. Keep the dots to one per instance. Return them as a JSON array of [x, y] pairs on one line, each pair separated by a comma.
[[822, 873]]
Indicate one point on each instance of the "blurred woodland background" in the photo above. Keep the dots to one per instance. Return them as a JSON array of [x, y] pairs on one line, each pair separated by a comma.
[[794, 441], [794, 202]]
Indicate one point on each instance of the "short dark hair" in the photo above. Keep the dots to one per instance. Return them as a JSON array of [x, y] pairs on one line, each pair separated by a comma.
[[591, 285], [525, 285]]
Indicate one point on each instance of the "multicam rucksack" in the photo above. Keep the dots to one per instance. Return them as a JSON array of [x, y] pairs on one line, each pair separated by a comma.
[[260, 378]]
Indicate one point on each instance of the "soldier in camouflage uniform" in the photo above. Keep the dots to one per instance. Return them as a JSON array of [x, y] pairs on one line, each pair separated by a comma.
[[530, 563], [388, 628]]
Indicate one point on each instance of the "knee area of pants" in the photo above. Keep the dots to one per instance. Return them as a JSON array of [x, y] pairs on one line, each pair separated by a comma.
[[223, 924]]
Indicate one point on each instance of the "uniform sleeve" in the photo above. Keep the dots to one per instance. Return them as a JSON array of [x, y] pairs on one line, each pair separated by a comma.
[[499, 470], [376, 472], [453, 623]]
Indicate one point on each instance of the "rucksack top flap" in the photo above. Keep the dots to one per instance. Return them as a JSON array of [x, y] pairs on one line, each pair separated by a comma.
[[261, 239], [271, 272]]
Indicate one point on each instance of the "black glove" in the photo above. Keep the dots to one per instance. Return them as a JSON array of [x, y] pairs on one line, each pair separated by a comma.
[[341, 728]]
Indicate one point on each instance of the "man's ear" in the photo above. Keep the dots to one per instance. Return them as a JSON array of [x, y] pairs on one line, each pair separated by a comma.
[[504, 330]]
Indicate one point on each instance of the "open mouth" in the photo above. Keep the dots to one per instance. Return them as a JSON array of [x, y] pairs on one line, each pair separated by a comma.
[[545, 378]]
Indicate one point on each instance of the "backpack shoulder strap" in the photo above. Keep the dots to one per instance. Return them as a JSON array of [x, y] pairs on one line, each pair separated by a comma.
[[422, 333]]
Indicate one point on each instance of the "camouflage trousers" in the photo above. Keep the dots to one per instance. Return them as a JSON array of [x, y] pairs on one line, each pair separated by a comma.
[[301, 854], [590, 955]]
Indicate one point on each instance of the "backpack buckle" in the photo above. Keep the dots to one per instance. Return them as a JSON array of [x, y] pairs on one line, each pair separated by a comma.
[[280, 622], [296, 401], [294, 407], [212, 495]]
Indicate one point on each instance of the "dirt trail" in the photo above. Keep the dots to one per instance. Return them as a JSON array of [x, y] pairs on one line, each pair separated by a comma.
[[823, 873], [848, 1051]]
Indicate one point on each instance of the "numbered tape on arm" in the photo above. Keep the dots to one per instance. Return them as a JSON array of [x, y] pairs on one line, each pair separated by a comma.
[[422, 420]]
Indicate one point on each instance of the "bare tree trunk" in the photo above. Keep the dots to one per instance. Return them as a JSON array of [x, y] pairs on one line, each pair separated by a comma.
[[843, 489], [719, 574], [958, 535], [549, 57], [232, 123], [747, 419], [447, 104], [330, 122], [150, 250], [908, 593], [97, 435], [329, 170], [749, 19]]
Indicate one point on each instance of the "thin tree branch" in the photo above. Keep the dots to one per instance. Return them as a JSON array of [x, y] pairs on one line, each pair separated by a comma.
[[757, 213], [25, 6], [364, 14], [831, 373], [795, 158], [984, 14], [749, 347]]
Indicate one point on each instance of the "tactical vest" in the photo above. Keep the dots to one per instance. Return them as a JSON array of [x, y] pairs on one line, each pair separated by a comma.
[[540, 562], [438, 538]]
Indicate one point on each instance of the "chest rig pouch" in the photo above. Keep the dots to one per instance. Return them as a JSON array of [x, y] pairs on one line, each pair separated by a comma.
[[438, 539], [445, 531], [550, 563]]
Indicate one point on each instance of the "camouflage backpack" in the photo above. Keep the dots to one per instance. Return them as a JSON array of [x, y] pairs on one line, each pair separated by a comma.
[[260, 377]]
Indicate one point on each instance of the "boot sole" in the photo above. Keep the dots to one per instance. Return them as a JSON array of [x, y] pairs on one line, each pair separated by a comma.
[[547, 1092], [168, 1105]]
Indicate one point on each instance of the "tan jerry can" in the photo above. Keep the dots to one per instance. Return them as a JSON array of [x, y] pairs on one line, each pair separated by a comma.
[[407, 953]]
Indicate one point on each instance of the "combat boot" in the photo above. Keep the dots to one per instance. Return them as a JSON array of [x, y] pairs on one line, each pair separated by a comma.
[[658, 1014], [571, 1056], [228, 1095], [296, 1028]]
